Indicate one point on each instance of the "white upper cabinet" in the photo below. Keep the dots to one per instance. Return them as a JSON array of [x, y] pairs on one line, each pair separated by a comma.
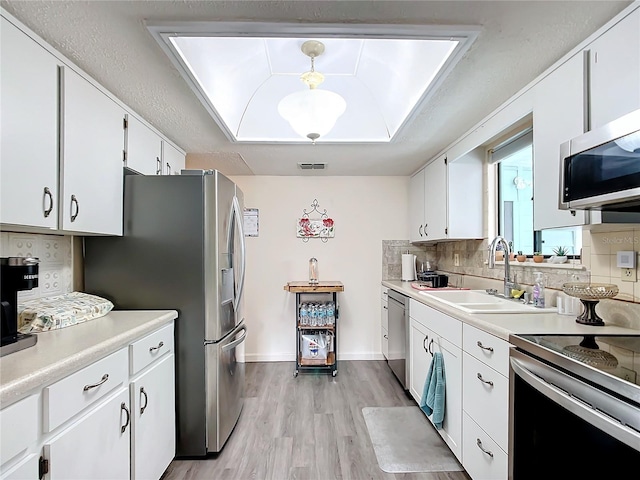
[[435, 199], [143, 147], [29, 145], [92, 143], [173, 160], [446, 199], [558, 116], [615, 71], [416, 207]]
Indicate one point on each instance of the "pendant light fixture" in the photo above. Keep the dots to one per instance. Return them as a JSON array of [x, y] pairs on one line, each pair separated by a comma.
[[312, 113]]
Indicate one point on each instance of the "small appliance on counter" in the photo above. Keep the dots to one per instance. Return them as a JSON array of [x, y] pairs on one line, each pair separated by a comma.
[[16, 274], [433, 279]]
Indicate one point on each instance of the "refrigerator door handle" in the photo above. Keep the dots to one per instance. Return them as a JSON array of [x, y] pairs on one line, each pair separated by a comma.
[[239, 220], [237, 341]]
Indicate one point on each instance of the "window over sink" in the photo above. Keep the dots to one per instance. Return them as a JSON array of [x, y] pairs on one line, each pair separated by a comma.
[[511, 164]]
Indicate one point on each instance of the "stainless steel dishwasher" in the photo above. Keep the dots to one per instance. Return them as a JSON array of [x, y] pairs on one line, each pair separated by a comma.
[[398, 336]]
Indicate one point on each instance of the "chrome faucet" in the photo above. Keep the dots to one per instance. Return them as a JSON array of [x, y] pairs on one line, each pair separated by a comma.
[[508, 283]]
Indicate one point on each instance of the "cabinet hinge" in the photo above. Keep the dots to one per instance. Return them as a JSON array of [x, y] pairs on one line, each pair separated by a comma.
[[125, 123], [43, 467]]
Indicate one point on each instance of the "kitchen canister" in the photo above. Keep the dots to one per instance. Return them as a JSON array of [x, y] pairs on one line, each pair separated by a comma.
[[567, 305]]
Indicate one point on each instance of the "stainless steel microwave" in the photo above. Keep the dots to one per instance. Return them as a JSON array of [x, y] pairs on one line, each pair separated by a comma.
[[600, 169]]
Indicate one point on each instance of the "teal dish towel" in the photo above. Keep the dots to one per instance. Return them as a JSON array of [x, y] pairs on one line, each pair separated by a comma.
[[432, 401]]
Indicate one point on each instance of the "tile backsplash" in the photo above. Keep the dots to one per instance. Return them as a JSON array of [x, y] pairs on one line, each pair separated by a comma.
[[54, 252]]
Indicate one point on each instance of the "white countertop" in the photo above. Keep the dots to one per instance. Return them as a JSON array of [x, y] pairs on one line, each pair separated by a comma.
[[504, 324], [59, 353]]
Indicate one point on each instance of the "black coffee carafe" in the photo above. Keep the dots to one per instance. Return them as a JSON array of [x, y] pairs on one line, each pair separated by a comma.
[[16, 274]]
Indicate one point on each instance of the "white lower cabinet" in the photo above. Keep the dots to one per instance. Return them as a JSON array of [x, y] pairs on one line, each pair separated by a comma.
[[27, 468], [485, 404], [96, 446], [424, 343], [153, 442], [384, 321], [483, 459], [113, 419]]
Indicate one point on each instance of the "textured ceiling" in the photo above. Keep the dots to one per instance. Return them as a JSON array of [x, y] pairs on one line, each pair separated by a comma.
[[518, 41]]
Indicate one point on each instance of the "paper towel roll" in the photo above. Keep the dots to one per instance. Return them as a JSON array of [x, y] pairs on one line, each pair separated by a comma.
[[408, 267]]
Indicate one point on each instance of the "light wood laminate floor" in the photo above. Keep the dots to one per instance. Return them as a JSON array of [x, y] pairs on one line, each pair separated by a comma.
[[310, 427]]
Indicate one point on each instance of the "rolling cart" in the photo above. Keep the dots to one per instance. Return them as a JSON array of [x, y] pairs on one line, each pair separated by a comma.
[[316, 340]]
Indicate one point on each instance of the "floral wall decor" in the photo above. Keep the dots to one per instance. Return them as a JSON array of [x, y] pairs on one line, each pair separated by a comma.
[[315, 227]]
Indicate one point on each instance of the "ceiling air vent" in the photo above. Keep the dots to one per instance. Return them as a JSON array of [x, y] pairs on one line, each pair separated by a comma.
[[312, 166]]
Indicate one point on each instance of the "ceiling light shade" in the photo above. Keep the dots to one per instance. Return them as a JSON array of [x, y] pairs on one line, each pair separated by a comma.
[[312, 113]]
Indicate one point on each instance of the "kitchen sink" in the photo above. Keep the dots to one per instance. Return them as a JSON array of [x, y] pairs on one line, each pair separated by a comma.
[[479, 301]]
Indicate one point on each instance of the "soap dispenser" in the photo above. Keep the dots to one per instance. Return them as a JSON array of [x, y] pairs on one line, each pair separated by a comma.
[[538, 290]]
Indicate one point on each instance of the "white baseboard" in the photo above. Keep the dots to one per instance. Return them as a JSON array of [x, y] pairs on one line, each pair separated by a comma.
[[291, 357]]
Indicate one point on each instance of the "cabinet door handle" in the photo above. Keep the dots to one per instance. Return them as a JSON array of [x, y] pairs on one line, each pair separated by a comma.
[[425, 229], [47, 193], [74, 200], [104, 378], [386, 337], [126, 410], [158, 166], [479, 444], [385, 307], [489, 349], [160, 345], [146, 400], [168, 168], [426, 337], [431, 347], [420, 230], [488, 382]]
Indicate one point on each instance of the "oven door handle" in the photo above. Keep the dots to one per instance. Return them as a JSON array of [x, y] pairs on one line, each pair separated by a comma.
[[599, 420]]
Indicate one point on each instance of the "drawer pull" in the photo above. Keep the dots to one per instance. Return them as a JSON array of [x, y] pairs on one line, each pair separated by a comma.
[[385, 307], [488, 382], [160, 345], [104, 378], [146, 400], [490, 349], [479, 443], [123, 406], [386, 337]]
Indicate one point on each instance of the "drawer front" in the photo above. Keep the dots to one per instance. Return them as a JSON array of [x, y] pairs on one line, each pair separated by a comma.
[[385, 343], [19, 427], [442, 325], [69, 396], [487, 404], [479, 464], [487, 348], [148, 349]]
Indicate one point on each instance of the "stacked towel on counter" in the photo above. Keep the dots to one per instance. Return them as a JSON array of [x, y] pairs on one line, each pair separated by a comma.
[[432, 401]]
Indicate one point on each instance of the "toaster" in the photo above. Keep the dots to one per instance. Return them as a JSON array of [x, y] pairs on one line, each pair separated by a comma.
[[433, 279]]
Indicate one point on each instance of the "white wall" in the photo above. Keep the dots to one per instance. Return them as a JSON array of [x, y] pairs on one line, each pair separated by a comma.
[[366, 210]]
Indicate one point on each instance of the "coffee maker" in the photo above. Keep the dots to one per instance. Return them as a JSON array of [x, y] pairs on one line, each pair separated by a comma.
[[16, 274]]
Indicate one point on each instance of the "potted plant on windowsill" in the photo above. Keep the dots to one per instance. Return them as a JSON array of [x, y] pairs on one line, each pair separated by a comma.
[[538, 257], [559, 256], [521, 257], [512, 254]]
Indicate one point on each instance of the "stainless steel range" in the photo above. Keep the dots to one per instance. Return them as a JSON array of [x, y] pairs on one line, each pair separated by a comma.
[[575, 407]]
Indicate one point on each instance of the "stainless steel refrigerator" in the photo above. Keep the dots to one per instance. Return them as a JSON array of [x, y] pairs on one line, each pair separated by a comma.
[[183, 249]]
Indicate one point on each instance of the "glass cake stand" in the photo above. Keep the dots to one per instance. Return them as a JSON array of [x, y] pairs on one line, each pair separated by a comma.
[[590, 294]]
